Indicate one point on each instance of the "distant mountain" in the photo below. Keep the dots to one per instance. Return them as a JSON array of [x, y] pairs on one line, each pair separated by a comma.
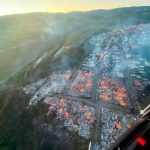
[[25, 37]]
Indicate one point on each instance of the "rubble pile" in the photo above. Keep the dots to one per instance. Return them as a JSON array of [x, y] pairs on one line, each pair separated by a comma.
[[113, 92], [82, 84], [138, 73], [75, 115], [114, 124], [91, 62], [137, 59], [55, 84]]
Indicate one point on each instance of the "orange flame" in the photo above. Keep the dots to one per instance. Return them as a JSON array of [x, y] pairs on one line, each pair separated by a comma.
[[118, 125], [67, 114], [119, 95], [50, 107], [82, 90], [123, 104]]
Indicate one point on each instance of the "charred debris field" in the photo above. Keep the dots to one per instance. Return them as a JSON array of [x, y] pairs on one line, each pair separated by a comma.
[[98, 101]]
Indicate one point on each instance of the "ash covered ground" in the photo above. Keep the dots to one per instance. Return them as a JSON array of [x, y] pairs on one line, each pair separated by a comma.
[[101, 99]]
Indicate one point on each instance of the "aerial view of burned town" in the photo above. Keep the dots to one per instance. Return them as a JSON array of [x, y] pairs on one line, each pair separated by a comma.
[[99, 100]]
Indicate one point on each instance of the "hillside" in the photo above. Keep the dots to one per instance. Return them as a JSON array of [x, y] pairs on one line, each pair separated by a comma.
[[25, 37]]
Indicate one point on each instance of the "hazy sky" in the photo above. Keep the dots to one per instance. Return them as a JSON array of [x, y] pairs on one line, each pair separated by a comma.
[[24, 6]]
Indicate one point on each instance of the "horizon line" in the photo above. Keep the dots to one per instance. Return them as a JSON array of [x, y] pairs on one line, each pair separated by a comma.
[[67, 12]]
